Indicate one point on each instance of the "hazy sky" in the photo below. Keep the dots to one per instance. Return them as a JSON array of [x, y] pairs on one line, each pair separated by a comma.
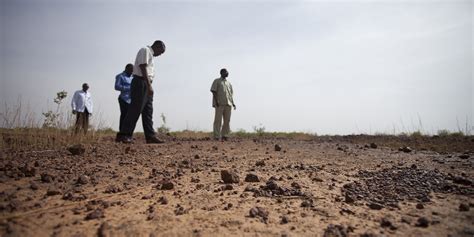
[[330, 67]]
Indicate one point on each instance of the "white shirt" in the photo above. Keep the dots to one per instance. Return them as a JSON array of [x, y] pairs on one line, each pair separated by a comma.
[[144, 56], [82, 100]]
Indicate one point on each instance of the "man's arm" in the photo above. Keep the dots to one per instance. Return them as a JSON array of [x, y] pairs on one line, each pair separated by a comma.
[[232, 96], [214, 93], [148, 82], [73, 103], [91, 104], [118, 83], [214, 98]]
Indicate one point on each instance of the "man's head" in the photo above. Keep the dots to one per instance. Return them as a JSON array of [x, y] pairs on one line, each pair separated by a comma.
[[224, 73], [158, 48], [85, 87], [129, 69]]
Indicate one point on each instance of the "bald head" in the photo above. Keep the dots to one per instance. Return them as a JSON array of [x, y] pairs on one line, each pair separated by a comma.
[[158, 48], [85, 87]]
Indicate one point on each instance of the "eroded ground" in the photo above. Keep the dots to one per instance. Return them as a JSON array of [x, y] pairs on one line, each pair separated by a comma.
[[320, 187]]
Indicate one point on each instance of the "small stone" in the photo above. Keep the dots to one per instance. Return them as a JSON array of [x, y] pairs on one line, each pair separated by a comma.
[[373, 145], [104, 230], [148, 196], [229, 176], [296, 185], [375, 206], [34, 186], [259, 212], [252, 178], [197, 157], [307, 203], [228, 187], [348, 198], [28, 171], [180, 210], [96, 214], [77, 149], [47, 178], [405, 149], [167, 185], [464, 156], [461, 180], [422, 222], [53, 191], [317, 179], [163, 200], [113, 189], [386, 223], [260, 163], [335, 231], [419, 206], [83, 179], [463, 207], [277, 147], [284, 220]]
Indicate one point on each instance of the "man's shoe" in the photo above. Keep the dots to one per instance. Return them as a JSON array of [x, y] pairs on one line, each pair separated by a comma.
[[154, 140], [127, 140], [124, 139], [224, 139]]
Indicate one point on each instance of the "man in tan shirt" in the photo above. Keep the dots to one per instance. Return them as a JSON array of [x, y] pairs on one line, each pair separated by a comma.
[[222, 101]]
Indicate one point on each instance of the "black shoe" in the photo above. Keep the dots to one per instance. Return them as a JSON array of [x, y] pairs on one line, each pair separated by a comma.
[[124, 139], [154, 140], [224, 139]]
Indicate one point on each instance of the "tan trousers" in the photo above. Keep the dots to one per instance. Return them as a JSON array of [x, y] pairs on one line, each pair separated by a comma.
[[222, 112]]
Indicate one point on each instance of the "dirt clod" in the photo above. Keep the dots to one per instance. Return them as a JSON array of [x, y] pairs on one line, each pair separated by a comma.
[[252, 178], [229, 176], [77, 149]]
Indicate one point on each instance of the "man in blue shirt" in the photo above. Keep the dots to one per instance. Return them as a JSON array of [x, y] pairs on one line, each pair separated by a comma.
[[122, 84]]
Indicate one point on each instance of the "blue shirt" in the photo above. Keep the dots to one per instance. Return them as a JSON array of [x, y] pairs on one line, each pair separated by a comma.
[[122, 84]]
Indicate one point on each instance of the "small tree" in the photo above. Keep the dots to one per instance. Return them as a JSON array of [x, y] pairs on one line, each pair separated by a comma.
[[51, 119], [163, 129], [260, 130]]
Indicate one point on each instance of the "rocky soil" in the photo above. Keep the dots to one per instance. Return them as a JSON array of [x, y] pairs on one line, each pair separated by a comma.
[[243, 187]]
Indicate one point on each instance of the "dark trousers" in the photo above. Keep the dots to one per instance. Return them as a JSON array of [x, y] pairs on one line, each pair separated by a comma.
[[142, 104], [82, 121], [123, 112]]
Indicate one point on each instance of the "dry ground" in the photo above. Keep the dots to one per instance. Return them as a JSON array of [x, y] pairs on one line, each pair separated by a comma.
[[337, 186]]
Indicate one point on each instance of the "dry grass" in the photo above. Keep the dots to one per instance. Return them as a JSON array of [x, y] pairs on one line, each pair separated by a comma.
[[21, 129], [27, 139]]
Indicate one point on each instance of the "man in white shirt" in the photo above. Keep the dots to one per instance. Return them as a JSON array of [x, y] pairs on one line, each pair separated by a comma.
[[82, 107], [141, 93]]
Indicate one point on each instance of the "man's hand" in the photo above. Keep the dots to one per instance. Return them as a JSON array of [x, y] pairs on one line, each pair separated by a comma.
[[74, 112], [235, 107], [150, 91]]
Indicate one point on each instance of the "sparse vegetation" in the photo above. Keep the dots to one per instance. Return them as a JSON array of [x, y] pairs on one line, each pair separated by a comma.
[[53, 119], [163, 129], [22, 130], [260, 129]]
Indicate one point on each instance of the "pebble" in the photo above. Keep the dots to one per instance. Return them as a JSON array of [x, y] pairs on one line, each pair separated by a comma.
[[229, 176]]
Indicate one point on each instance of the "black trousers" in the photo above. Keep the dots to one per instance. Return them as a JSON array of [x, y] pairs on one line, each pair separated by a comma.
[[82, 122], [123, 112], [142, 104]]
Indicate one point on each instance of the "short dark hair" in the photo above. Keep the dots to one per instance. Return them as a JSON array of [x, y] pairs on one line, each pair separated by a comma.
[[128, 65], [223, 70], [160, 44]]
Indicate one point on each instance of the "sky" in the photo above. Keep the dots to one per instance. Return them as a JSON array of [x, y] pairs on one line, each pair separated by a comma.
[[325, 67]]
